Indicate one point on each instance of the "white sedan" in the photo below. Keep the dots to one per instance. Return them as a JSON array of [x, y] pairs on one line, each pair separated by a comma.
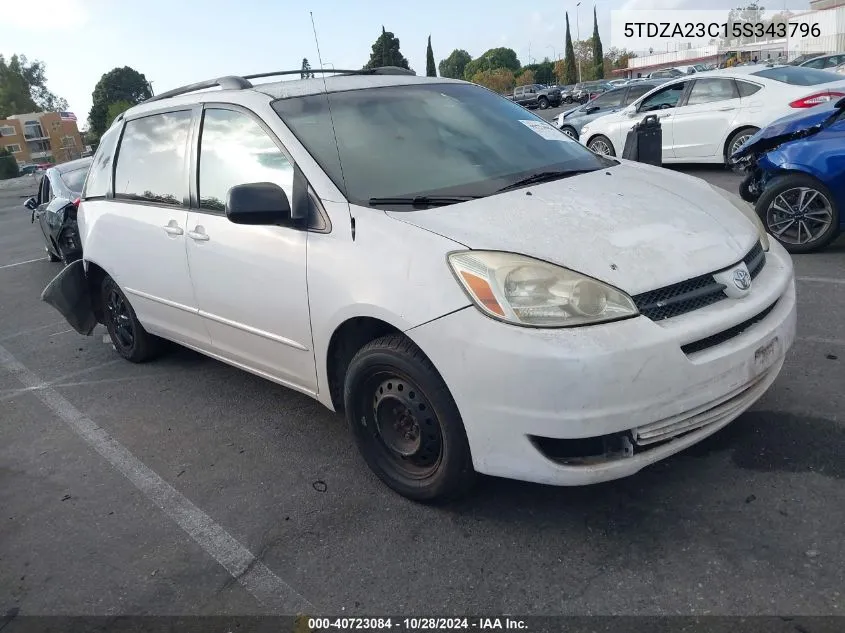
[[705, 117]]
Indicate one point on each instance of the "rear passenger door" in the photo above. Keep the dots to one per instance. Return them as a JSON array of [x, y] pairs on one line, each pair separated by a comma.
[[141, 238], [249, 281], [702, 122]]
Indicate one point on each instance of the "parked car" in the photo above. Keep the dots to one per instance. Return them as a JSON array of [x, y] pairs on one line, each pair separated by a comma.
[[666, 73], [796, 176], [55, 208], [566, 94], [536, 96], [825, 61], [706, 117], [586, 90], [798, 61], [28, 170], [840, 70], [571, 121], [409, 281]]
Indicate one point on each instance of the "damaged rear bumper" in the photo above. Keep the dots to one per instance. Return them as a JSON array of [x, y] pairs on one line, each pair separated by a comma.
[[70, 294]]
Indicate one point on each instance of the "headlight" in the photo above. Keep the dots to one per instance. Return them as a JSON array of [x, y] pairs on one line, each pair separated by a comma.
[[526, 291], [748, 211]]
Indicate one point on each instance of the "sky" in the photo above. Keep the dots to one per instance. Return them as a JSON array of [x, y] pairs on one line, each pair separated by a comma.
[[177, 42]]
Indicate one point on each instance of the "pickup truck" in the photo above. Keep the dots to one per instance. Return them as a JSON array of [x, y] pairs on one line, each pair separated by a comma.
[[536, 96]]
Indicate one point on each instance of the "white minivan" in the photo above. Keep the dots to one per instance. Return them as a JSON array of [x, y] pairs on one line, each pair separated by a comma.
[[478, 292]]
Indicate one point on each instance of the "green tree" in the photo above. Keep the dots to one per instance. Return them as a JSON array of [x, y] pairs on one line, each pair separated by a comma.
[[570, 75], [544, 72], [8, 165], [386, 52], [430, 68], [598, 55], [119, 84], [491, 60], [499, 80], [116, 109], [453, 66], [526, 78], [306, 72], [23, 88], [584, 59]]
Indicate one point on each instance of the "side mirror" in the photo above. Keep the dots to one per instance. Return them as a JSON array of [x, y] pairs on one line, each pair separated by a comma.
[[631, 112], [258, 203], [592, 109], [31, 204]]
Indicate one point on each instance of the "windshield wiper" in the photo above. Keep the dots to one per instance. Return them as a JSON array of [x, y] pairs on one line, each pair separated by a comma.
[[423, 201], [544, 176]]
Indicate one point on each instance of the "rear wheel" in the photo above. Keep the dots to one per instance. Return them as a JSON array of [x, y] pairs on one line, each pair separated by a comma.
[[737, 140], [405, 422], [129, 337], [799, 212], [601, 145]]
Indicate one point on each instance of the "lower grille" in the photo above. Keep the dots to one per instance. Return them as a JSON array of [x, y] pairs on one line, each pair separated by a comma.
[[708, 414], [725, 335], [692, 294]]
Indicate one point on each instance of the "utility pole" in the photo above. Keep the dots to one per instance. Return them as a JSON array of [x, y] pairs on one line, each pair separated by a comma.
[[150, 86], [578, 35]]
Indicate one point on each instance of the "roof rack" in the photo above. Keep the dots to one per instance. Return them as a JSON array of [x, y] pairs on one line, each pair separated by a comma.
[[233, 82]]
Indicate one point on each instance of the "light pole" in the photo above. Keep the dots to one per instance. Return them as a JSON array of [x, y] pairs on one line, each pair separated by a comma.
[[578, 35], [554, 56]]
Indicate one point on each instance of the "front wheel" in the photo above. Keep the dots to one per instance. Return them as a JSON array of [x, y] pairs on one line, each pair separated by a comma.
[[544, 103], [799, 212], [570, 132], [737, 140], [601, 145], [405, 423]]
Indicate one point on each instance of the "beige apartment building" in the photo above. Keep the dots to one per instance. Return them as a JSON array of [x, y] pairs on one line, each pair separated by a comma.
[[41, 137]]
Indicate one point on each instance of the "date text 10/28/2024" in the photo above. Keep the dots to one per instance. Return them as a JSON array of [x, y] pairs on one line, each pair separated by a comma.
[[416, 624], [721, 29]]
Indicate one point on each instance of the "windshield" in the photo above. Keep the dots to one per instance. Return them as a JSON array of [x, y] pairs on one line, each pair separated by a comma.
[[428, 140], [798, 75], [75, 179]]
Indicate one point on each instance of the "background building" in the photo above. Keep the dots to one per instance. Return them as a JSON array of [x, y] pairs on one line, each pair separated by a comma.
[[41, 137]]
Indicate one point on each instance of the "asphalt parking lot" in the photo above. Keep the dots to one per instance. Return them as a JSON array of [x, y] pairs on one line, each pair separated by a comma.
[[185, 486]]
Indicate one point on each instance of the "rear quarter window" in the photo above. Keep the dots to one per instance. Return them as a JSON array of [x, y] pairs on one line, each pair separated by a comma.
[[98, 183], [798, 75], [746, 89]]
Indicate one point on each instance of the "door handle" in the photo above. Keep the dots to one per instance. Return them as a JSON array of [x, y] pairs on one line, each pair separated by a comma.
[[197, 236], [726, 108], [173, 229]]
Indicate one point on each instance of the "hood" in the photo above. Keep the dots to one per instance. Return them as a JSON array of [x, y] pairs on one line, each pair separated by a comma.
[[791, 127], [633, 226]]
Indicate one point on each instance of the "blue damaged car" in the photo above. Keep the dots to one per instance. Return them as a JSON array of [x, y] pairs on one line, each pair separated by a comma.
[[796, 176]]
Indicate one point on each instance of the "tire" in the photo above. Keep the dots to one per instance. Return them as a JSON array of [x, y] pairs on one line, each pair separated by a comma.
[[819, 218], [742, 134], [745, 190], [543, 103], [405, 423], [128, 336], [569, 131], [600, 140]]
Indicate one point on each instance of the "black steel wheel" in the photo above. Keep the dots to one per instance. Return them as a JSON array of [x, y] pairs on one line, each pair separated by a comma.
[[543, 103], [128, 336], [405, 422]]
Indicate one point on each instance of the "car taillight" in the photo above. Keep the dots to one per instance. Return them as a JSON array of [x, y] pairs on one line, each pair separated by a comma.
[[815, 99], [76, 202]]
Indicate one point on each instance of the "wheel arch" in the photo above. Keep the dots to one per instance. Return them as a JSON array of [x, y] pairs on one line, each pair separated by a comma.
[[730, 135]]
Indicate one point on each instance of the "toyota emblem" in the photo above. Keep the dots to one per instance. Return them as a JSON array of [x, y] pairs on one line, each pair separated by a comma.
[[742, 279]]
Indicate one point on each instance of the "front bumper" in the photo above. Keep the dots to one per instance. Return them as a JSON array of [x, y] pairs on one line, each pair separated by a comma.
[[514, 384]]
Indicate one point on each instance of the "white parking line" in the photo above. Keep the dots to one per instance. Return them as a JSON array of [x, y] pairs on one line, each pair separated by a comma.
[[29, 261], [250, 572], [32, 330], [822, 280]]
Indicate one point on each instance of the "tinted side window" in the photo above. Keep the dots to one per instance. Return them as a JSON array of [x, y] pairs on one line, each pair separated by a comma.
[[746, 89], [235, 150], [151, 161], [712, 90], [98, 182], [609, 99], [666, 98], [635, 92]]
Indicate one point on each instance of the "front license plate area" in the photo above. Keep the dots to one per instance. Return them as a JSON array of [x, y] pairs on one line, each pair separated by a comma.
[[766, 355]]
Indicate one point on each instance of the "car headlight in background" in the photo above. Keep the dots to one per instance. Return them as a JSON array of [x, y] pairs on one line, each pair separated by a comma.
[[748, 211], [526, 291]]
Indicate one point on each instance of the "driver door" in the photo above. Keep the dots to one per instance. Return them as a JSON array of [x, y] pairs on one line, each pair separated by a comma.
[[663, 104]]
